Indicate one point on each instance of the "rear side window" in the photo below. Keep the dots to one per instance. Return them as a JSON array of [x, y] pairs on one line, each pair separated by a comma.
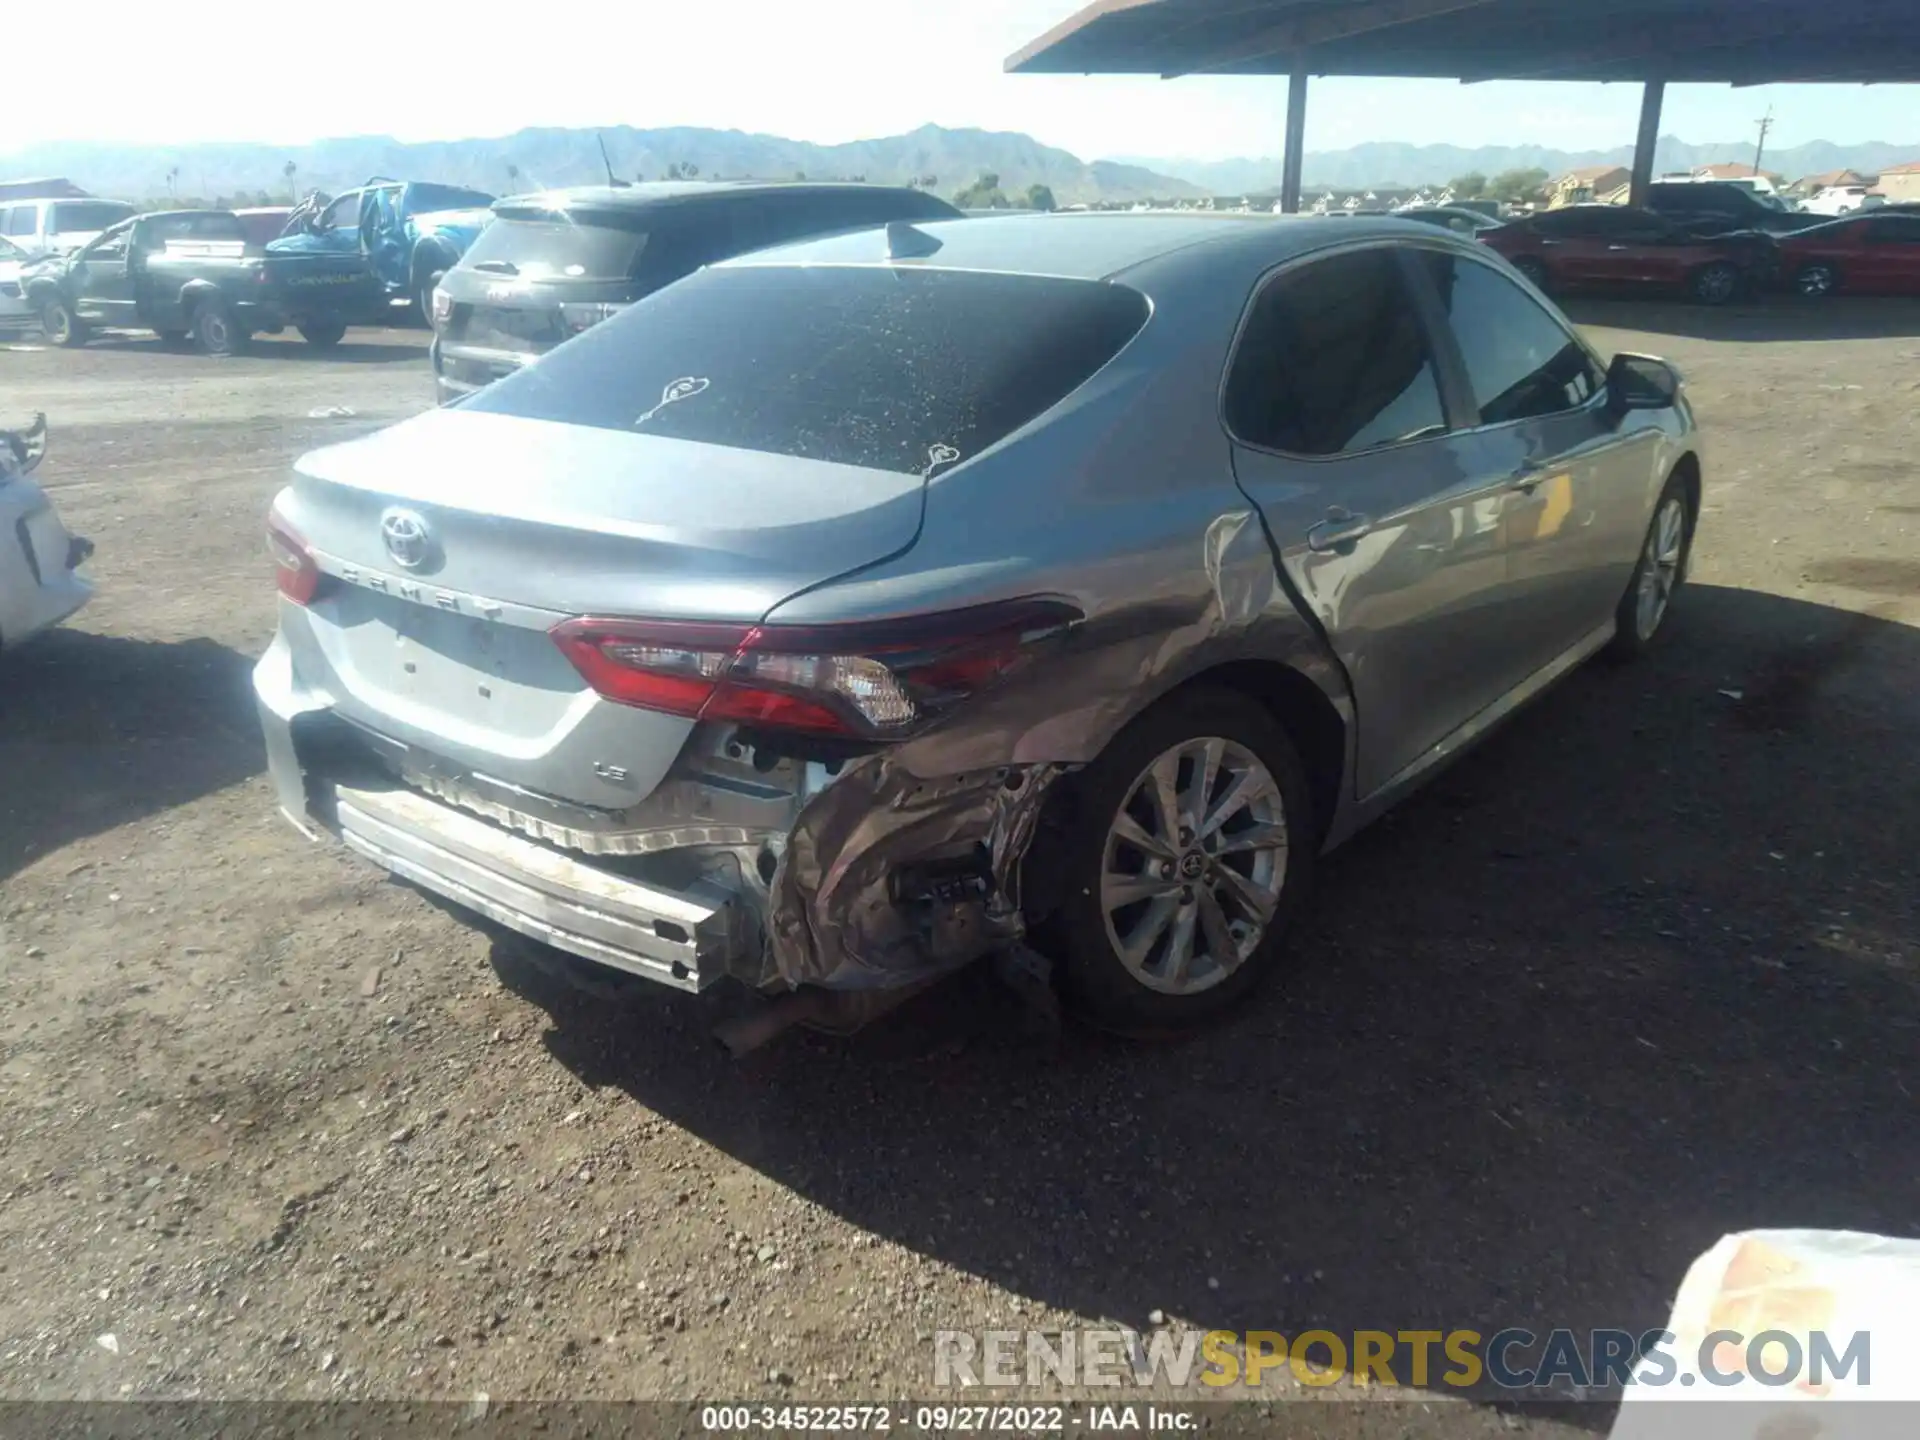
[[1521, 362], [901, 370], [1333, 361], [550, 246], [20, 220]]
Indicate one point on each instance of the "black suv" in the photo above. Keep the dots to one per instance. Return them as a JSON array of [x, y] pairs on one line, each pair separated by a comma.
[[551, 265], [1714, 206]]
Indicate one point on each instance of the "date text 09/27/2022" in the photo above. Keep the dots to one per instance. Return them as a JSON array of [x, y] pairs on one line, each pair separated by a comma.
[[944, 1419]]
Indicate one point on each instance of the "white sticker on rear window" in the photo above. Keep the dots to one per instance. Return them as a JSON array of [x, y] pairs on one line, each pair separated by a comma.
[[683, 388]]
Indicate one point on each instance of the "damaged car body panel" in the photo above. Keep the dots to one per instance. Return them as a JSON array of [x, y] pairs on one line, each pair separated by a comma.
[[782, 651]]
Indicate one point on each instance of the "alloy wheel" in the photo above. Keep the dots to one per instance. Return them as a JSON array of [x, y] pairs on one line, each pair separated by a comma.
[[1717, 283], [1660, 566], [1193, 866], [1816, 280]]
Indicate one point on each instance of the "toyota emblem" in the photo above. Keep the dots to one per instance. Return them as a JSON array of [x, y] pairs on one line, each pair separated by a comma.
[[407, 538]]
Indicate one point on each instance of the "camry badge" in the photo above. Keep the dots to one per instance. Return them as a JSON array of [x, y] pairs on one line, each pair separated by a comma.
[[407, 538]]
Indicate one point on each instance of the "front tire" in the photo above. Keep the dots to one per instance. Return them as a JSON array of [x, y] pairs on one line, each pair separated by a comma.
[[1817, 281], [322, 337], [1715, 284], [216, 331], [1185, 850], [1657, 576], [61, 326]]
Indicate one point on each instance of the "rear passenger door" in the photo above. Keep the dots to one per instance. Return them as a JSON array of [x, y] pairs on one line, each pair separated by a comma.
[[1576, 483], [1388, 525]]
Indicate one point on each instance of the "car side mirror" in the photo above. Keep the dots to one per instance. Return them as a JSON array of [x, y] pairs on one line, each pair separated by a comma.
[[28, 447], [1640, 382]]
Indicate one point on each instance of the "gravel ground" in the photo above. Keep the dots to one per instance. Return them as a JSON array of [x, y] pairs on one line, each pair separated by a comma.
[[1638, 972]]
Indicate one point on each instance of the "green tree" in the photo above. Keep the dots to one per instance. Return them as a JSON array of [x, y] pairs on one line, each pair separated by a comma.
[[1470, 186], [1040, 197], [1515, 187], [983, 194]]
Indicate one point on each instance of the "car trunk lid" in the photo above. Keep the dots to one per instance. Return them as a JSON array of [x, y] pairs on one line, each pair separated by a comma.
[[456, 541]]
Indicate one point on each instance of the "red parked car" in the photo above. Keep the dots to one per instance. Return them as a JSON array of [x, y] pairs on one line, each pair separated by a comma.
[[1608, 246], [1874, 253]]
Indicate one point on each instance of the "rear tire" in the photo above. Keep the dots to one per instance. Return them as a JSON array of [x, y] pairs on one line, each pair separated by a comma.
[[1715, 284], [322, 337], [60, 325], [1535, 272], [423, 295], [216, 331], [1151, 932]]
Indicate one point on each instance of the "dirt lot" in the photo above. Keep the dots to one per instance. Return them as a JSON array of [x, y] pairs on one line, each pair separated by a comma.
[[1639, 972]]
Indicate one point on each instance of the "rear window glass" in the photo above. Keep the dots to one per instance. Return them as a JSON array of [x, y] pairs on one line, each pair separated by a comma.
[[87, 215], [163, 228], [445, 197], [557, 249], [890, 369]]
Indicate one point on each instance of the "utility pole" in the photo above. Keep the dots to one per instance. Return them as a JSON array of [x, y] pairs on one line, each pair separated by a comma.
[[1766, 124]]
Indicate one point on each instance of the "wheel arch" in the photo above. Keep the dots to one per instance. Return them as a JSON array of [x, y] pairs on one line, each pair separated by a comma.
[[1312, 721], [429, 252], [1687, 470]]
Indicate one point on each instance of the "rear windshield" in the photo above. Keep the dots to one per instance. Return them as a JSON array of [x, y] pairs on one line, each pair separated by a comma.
[[161, 229], [86, 215], [552, 248], [422, 197], [901, 370]]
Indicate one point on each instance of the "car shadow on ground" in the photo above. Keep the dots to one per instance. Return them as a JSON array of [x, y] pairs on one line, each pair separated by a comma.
[[1772, 317], [393, 348], [96, 731], [1638, 972]]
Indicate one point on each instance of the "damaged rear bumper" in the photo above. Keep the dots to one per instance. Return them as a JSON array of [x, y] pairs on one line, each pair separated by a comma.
[[687, 939], [877, 882]]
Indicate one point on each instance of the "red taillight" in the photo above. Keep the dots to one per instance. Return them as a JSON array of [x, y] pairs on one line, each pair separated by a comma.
[[293, 567], [873, 681]]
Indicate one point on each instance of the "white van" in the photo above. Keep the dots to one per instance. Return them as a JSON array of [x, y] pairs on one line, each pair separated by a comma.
[[41, 227]]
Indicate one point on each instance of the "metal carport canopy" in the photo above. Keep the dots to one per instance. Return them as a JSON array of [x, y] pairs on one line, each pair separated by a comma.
[[1737, 42]]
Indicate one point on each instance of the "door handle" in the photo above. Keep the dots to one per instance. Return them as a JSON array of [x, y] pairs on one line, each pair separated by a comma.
[[1338, 529], [1527, 475]]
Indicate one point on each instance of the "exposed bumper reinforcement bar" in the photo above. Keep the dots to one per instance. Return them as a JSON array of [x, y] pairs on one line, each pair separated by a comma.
[[682, 938]]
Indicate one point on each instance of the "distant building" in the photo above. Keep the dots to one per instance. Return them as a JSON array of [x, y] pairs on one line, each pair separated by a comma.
[[44, 188], [1900, 182], [1592, 182], [1809, 185]]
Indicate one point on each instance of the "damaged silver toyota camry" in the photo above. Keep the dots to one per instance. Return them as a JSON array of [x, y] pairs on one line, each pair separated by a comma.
[[848, 612]]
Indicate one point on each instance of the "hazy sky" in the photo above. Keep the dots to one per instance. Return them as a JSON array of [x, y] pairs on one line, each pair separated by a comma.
[[820, 70]]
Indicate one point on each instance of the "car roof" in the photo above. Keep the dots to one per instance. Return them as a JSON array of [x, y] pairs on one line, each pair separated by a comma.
[[648, 194], [1097, 246]]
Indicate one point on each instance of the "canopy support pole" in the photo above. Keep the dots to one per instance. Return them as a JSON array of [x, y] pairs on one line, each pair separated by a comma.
[[1651, 99], [1296, 151]]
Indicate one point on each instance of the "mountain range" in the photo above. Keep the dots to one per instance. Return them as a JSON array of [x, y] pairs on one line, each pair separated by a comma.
[[946, 160]]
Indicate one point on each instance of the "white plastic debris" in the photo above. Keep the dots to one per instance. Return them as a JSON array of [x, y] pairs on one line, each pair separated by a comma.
[[108, 1342], [331, 412], [1817, 1319]]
